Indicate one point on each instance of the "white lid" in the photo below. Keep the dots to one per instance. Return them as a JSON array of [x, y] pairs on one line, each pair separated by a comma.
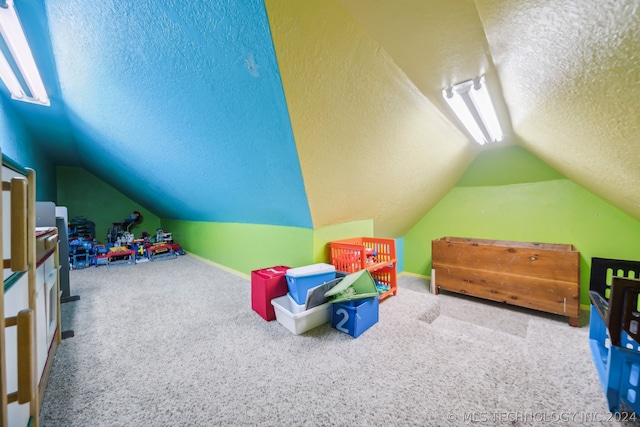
[[311, 270]]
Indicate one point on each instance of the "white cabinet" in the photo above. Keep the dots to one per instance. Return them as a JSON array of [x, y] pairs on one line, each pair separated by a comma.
[[7, 175], [16, 298], [46, 309], [41, 321], [53, 297], [29, 303]]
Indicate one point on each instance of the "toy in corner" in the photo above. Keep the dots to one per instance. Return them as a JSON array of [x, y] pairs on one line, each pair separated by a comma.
[[163, 246], [135, 218], [120, 233], [123, 247]]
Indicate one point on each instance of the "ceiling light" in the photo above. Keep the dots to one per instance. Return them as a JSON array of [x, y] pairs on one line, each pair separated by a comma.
[[17, 45], [10, 79], [471, 102]]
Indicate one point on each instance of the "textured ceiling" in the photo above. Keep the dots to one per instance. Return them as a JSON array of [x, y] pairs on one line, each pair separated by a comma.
[[370, 144], [564, 73], [309, 114], [570, 72], [179, 106], [436, 43]]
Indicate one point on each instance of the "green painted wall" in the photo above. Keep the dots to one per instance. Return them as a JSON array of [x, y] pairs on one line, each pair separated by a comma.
[[86, 195], [243, 247], [525, 201], [248, 247], [346, 230], [509, 165], [239, 247]]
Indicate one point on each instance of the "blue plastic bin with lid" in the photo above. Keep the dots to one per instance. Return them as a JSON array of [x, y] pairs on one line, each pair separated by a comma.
[[301, 279]]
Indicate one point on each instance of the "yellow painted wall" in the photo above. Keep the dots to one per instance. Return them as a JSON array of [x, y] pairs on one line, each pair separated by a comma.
[[323, 236], [366, 136]]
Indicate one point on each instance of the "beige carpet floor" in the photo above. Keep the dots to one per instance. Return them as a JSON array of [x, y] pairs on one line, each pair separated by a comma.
[[175, 343]]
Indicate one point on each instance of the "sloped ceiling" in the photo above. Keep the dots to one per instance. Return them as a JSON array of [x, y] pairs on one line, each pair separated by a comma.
[[308, 114], [570, 72], [179, 106], [371, 145]]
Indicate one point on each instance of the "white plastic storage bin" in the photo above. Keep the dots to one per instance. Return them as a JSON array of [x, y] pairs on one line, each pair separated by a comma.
[[301, 279], [299, 323], [295, 307]]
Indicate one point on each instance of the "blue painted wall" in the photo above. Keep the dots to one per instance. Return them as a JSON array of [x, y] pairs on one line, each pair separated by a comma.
[[18, 144], [12, 133], [181, 107]]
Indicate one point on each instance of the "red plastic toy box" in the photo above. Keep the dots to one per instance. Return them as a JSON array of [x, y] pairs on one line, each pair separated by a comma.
[[267, 284]]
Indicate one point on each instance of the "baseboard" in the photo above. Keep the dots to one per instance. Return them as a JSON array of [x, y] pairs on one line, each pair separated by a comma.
[[220, 266], [421, 276]]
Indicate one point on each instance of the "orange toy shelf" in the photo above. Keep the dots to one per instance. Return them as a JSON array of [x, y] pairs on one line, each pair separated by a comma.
[[360, 253], [386, 276]]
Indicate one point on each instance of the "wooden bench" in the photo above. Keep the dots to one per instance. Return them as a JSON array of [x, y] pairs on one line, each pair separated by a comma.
[[540, 276]]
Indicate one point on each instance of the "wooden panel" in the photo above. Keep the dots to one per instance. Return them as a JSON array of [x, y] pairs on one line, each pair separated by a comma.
[[512, 243], [25, 356], [31, 257], [4, 419], [19, 224], [525, 261], [535, 293], [541, 276]]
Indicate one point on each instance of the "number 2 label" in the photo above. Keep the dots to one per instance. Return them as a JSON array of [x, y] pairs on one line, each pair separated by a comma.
[[345, 319]]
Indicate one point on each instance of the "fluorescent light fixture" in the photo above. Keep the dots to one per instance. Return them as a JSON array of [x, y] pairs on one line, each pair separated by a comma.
[[10, 79], [16, 42], [471, 102]]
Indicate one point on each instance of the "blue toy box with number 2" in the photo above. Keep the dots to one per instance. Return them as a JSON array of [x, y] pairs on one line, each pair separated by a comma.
[[356, 316]]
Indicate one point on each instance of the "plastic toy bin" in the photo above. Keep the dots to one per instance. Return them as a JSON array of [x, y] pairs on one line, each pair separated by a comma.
[[355, 286], [267, 284], [615, 298], [355, 317], [302, 322], [373, 254], [359, 253], [301, 279]]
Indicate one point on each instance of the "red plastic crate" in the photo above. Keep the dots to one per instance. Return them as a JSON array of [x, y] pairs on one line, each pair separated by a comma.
[[267, 284], [373, 254]]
